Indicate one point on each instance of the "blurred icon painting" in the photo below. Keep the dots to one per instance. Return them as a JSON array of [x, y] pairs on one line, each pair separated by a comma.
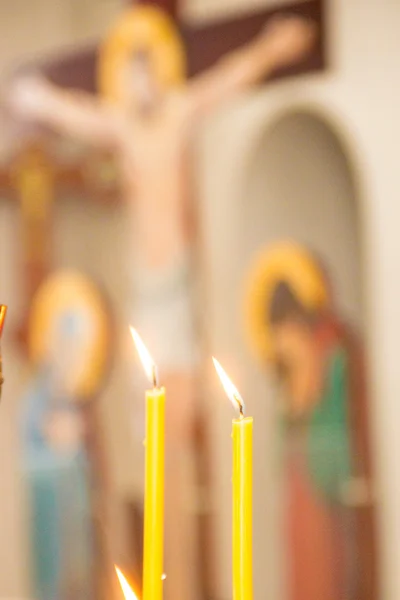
[[69, 339], [328, 486]]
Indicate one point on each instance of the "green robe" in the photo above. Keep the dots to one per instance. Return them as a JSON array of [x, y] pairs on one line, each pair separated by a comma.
[[318, 465], [328, 448]]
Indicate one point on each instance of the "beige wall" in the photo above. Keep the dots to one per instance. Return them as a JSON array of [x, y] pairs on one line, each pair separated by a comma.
[[35, 28]]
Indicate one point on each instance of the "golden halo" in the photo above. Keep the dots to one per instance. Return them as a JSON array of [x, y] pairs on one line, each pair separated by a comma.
[[71, 292], [286, 262], [141, 28]]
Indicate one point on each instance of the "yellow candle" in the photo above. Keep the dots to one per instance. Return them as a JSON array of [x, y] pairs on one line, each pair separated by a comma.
[[242, 494], [153, 545], [154, 496]]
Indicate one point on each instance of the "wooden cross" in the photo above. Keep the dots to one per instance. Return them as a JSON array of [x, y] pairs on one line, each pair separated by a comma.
[[204, 43], [34, 177], [29, 177]]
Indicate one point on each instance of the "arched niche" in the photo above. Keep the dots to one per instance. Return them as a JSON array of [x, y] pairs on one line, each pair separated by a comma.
[[296, 178], [301, 183]]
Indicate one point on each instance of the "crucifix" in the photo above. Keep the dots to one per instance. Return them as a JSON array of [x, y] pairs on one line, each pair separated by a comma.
[[146, 115], [29, 177], [34, 177]]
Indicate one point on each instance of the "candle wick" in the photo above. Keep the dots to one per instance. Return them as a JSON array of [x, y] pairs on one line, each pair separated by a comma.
[[241, 406], [154, 375]]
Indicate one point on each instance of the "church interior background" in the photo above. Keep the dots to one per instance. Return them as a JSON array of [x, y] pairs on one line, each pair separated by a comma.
[[303, 166]]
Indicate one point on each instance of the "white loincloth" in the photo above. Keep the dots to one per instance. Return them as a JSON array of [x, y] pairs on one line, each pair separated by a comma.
[[164, 315]]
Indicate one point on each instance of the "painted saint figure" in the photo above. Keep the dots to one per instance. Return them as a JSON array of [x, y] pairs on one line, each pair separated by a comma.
[[67, 340], [148, 116], [329, 512], [57, 470]]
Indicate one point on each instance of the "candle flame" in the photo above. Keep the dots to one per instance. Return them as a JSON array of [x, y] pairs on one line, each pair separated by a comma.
[[147, 361], [3, 311], [230, 390], [126, 588]]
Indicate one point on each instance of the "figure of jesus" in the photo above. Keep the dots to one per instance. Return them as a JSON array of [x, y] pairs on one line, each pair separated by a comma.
[[150, 134]]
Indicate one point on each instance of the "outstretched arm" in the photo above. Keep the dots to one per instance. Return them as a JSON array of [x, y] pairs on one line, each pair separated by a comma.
[[73, 113], [284, 41]]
